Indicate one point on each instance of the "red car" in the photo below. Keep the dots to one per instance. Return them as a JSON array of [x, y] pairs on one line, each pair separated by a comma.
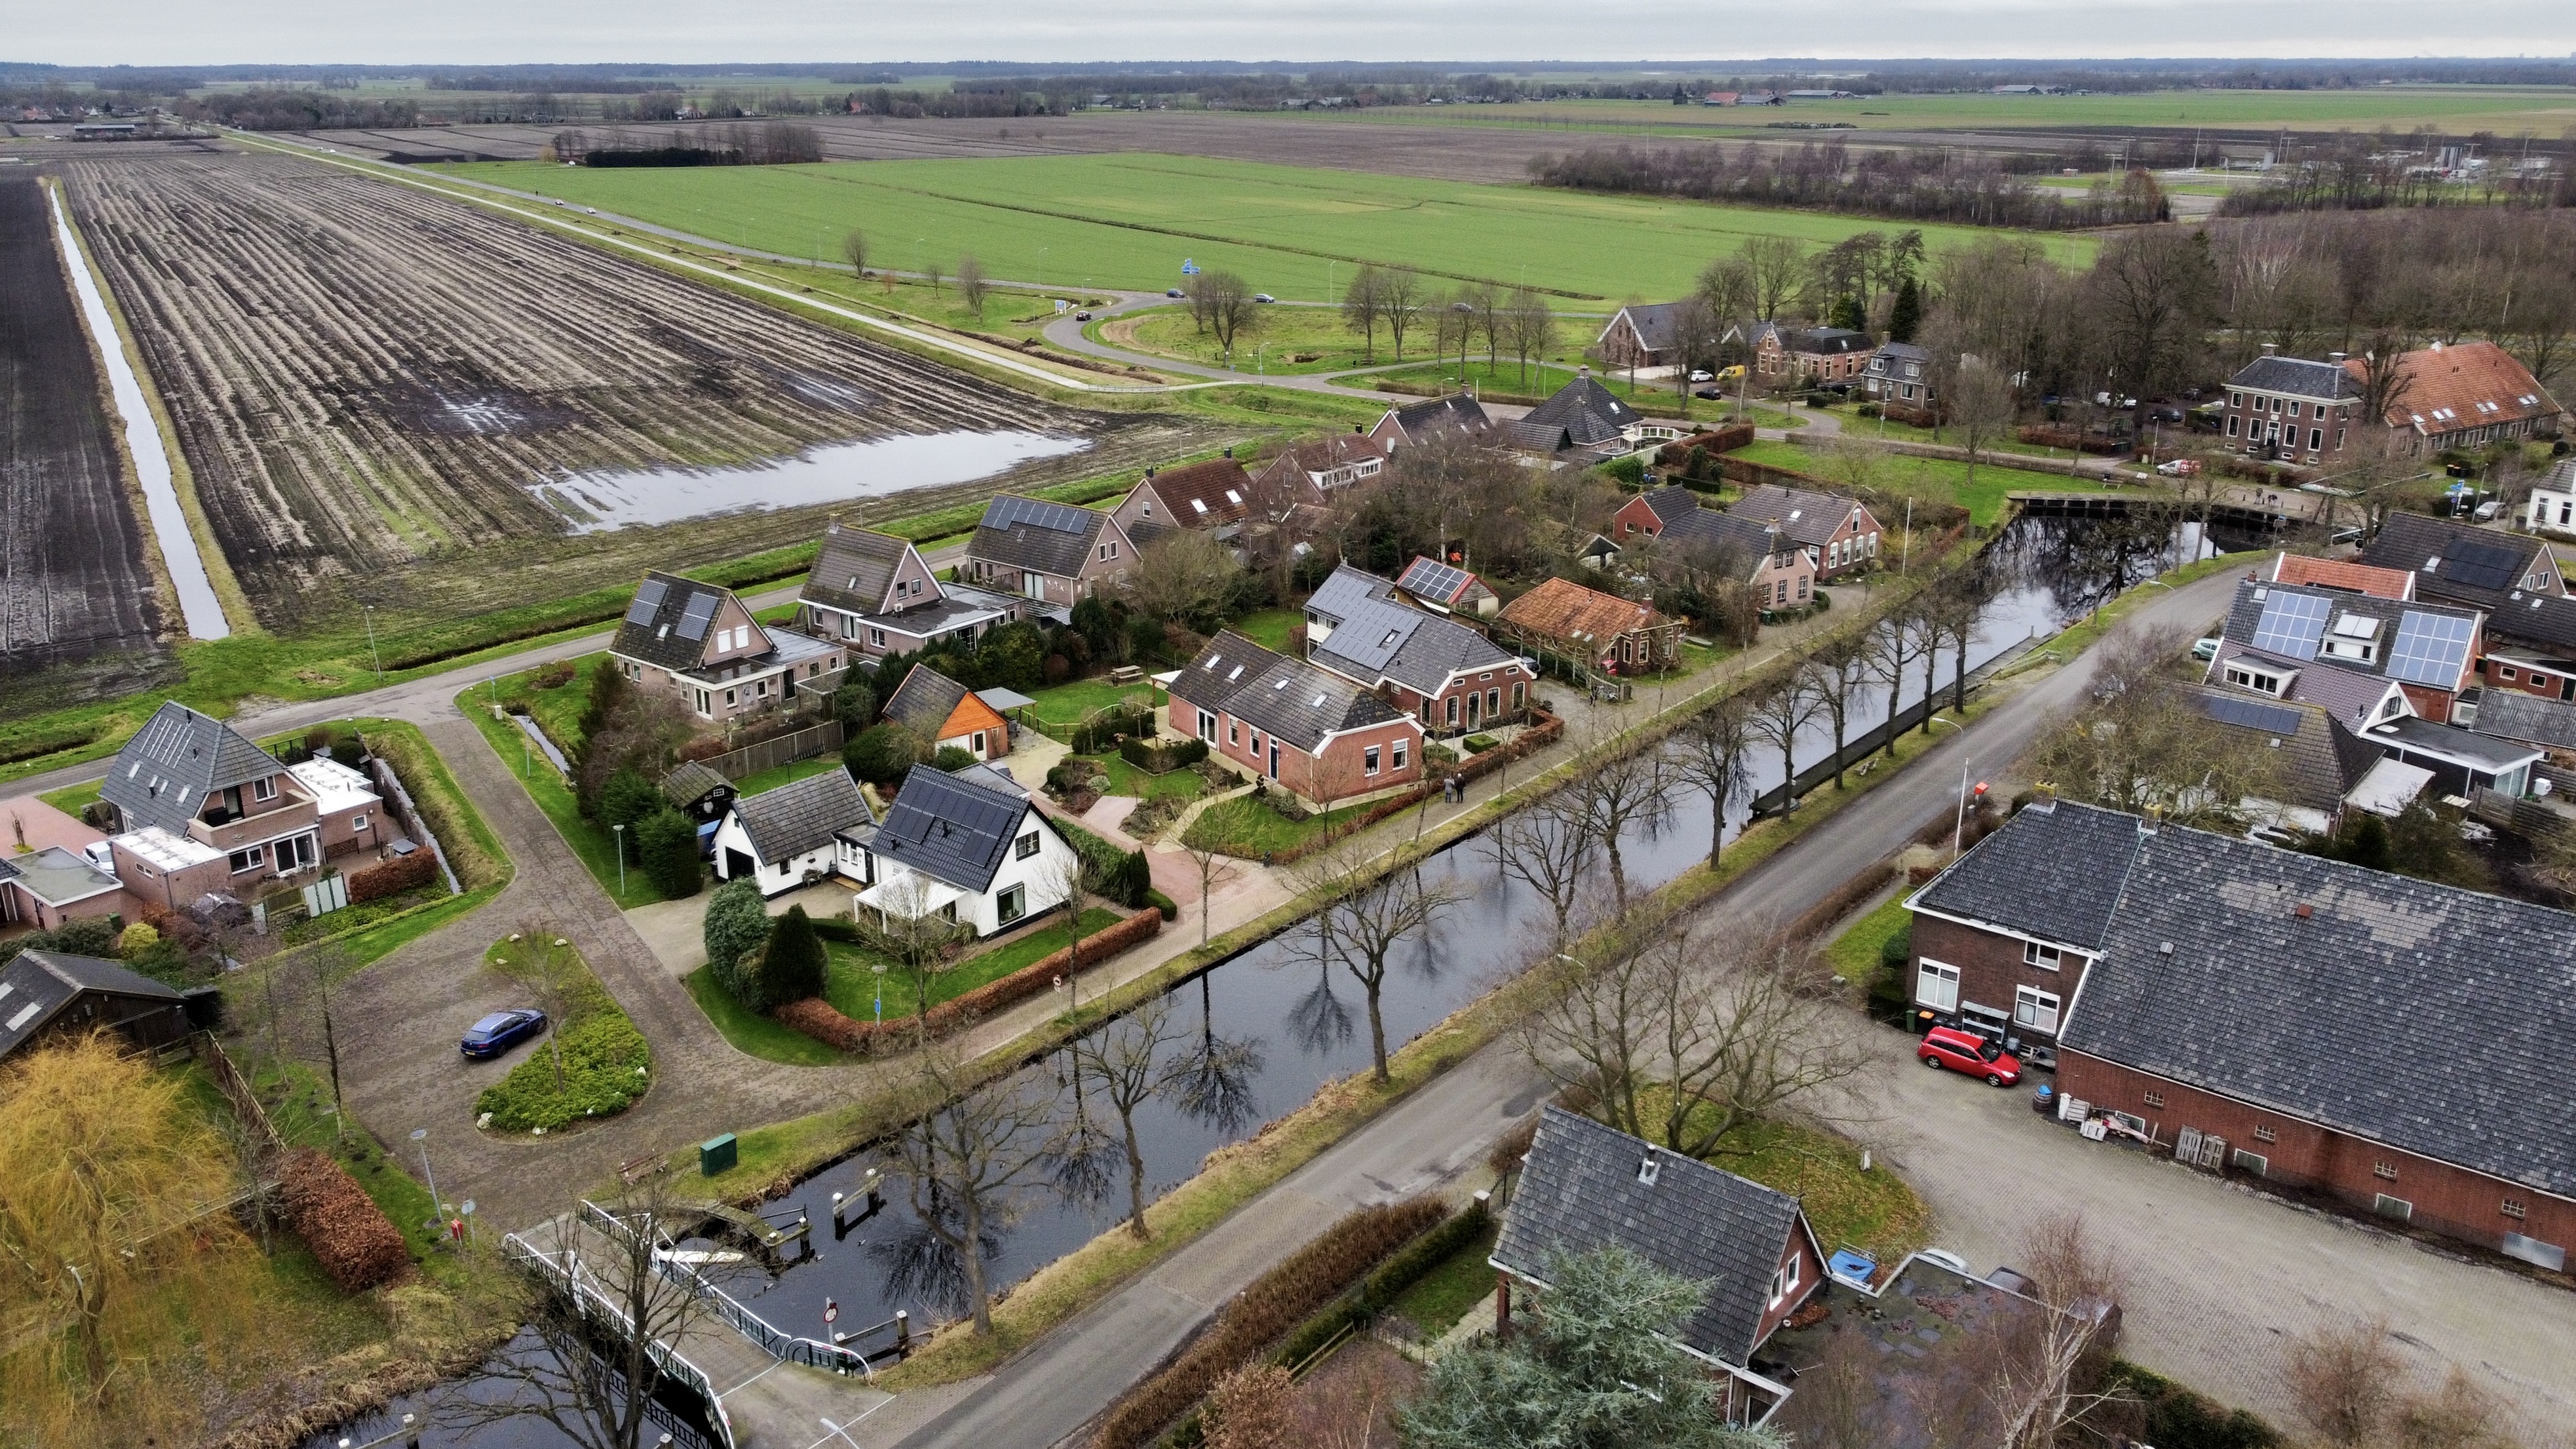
[[1965, 1051]]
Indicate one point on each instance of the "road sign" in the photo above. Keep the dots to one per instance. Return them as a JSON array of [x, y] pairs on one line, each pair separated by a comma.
[[1189, 268], [1060, 305], [831, 1311]]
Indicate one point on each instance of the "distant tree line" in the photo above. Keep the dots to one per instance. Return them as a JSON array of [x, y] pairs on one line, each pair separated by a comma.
[[1915, 184], [777, 143], [2351, 172], [284, 110]]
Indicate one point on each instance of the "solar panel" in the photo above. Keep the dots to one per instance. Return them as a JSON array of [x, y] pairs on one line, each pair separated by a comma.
[[1433, 579], [2431, 648], [693, 620], [2253, 714], [2481, 565], [648, 599], [2291, 624], [1011, 511]]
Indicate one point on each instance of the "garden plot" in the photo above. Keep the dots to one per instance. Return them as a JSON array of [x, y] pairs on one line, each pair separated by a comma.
[[375, 389], [79, 614]]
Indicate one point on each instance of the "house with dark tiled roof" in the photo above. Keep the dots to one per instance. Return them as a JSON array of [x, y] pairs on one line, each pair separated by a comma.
[[789, 836], [699, 644], [2528, 642], [2548, 725], [1457, 418], [2319, 767], [2552, 505], [1317, 734], [1603, 633], [940, 711], [1214, 496], [1840, 534], [1584, 422], [201, 810], [1899, 373], [1814, 355], [1313, 471], [1053, 554], [871, 593], [2293, 408], [1584, 1187], [969, 848], [50, 994], [1445, 588], [1669, 528], [1642, 334], [1450, 676]]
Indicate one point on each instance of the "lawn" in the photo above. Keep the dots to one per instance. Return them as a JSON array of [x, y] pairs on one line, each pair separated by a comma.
[[1854, 954], [1126, 779], [1069, 704], [1269, 628], [786, 774], [591, 1063], [1451, 1291], [1248, 829], [852, 989], [1872, 1210], [594, 844], [72, 799], [751, 1033], [1942, 478], [1896, 432], [1278, 334], [1132, 219]]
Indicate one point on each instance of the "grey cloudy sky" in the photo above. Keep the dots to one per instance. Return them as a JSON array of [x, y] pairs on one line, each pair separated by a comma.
[[184, 32]]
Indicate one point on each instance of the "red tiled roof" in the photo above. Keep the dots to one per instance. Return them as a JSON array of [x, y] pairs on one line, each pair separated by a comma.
[[1205, 495], [1561, 609], [2450, 389], [2336, 574]]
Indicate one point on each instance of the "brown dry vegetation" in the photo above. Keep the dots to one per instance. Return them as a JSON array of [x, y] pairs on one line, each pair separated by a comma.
[[367, 380], [79, 613]]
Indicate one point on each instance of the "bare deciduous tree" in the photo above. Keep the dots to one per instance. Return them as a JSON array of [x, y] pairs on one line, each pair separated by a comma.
[[1842, 666], [1712, 754], [1549, 846], [2049, 1377], [971, 1166], [2144, 744], [1402, 297], [1364, 305], [854, 250], [1630, 788], [971, 284], [910, 931], [2345, 1381], [1223, 304], [1184, 577], [1364, 919], [1900, 642], [546, 966], [1777, 267], [1248, 1409], [1530, 327], [1214, 868], [1979, 404], [1134, 1061], [1783, 713]]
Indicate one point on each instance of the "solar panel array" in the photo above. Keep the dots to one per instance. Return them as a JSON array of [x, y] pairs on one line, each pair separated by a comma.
[[648, 598], [1010, 511], [693, 620], [2253, 714], [1370, 634], [2479, 565], [1433, 579], [2291, 624], [2431, 648]]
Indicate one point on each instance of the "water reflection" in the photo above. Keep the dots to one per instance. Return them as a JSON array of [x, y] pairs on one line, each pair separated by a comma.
[[833, 473]]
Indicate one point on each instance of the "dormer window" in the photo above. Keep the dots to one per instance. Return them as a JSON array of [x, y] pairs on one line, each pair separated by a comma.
[[2246, 674]]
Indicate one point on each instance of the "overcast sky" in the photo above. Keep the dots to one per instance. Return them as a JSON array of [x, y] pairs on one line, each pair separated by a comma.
[[191, 32]]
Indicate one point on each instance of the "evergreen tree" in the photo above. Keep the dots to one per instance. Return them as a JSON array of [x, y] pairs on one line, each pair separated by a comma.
[[666, 844], [627, 798], [737, 921], [854, 704], [791, 964], [884, 754], [1848, 315], [1905, 316], [952, 758]]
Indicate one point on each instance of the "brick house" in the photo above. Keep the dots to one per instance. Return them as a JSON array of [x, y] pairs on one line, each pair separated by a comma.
[[1641, 334], [1214, 496], [1585, 1186], [201, 810], [1323, 738], [699, 644], [1606, 633], [872, 594], [2292, 408], [53, 869], [1313, 471], [1584, 422], [2320, 645], [941, 711], [1899, 373], [2462, 395], [2528, 638], [1452, 678], [1818, 355], [1455, 418], [1840, 534], [2226, 987], [1052, 553], [1782, 574]]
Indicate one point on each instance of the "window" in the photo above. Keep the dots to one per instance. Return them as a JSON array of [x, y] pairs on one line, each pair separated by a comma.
[[1368, 759], [979, 743], [2236, 399], [1398, 762], [264, 789], [2506, 673], [1207, 726], [2393, 1207], [1011, 904], [248, 860], [2294, 410], [2316, 439], [2264, 1132], [2384, 1170], [1785, 1281], [1452, 709], [2253, 1162], [2156, 1100], [2047, 958], [2035, 1010], [876, 638], [1803, 582], [2515, 1209], [1494, 697], [1937, 986], [1520, 697], [1234, 732], [703, 704], [358, 821]]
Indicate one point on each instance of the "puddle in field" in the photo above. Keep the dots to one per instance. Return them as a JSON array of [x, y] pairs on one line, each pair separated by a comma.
[[829, 474]]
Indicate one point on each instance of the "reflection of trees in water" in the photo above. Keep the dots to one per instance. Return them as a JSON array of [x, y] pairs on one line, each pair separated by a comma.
[[921, 1267], [2084, 563], [1319, 1020], [1083, 1157], [1213, 1082]]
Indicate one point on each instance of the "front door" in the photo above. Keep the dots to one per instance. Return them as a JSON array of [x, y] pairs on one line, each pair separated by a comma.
[[1274, 759], [1035, 584], [1474, 709]]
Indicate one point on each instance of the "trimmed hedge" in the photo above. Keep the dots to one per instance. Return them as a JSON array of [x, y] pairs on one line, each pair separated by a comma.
[[1277, 1304], [825, 1023], [1170, 908], [1391, 805], [1537, 737], [393, 877], [349, 1235], [1161, 757]]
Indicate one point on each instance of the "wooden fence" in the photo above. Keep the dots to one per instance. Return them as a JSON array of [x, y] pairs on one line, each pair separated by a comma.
[[229, 1080], [787, 749]]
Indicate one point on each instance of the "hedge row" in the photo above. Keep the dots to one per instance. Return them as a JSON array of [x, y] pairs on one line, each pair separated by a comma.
[[349, 1235], [1537, 737], [393, 877], [825, 1023], [1391, 805], [1162, 756], [1276, 1304], [441, 804]]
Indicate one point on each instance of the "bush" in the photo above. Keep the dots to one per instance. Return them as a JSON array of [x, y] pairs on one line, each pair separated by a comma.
[[737, 921], [854, 704], [348, 1234], [1129, 880], [1144, 639], [1069, 774], [627, 798], [553, 676], [1628, 469], [393, 877], [884, 754], [666, 845], [605, 1066], [791, 963], [1170, 908], [1823, 601], [952, 758], [1276, 1303], [1160, 757]]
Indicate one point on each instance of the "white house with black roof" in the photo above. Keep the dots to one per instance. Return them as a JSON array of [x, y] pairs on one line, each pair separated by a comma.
[[699, 644], [1444, 673], [1585, 1186], [872, 593], [790, 836], [968, 847], [1053, 554]]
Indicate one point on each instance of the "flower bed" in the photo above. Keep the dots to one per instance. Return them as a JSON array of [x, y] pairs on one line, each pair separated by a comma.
[[825, 1023]]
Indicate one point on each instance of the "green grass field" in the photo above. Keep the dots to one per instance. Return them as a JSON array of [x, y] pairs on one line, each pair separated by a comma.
[[1941, 478], [1130, 220]]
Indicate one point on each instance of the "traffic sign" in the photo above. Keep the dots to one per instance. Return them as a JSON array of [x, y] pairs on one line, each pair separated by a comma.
[[831, 1311], [1189, 268]]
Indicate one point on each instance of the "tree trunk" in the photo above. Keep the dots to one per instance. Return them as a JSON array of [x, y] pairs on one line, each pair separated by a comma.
[[970, 1257], [1377, 1028], [1959, 681], [1135, 1175], [1716, 834], [1840, 726], [1931, 673]]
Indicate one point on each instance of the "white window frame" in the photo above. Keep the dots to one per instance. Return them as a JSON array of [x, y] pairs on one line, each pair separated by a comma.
[[358, 821], [1369, 760], [2036, 1009], [1944, 976], [255, 857], [1011, 902], [2042, 955], [264, 789], [1397, 763], [1207, 726]]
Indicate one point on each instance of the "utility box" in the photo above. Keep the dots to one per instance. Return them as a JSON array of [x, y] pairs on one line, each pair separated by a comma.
[[715, 1155]]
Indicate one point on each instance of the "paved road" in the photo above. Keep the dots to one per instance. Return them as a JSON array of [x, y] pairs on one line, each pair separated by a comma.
[[1436, 1137]]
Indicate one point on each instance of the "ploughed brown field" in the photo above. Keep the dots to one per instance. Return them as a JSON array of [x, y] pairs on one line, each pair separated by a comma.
[[369, 384], [79, 612]]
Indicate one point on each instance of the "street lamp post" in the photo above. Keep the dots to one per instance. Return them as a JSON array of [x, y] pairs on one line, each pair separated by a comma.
[[370, 611], [621, 860], [421, 1136]]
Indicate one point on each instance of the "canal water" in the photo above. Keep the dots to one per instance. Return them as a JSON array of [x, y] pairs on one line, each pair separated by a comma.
[[1290, 1022]]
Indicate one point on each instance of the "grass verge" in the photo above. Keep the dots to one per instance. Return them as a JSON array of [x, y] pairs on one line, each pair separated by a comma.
[[1854, 953], [1249, 829], [592, 843], [1449, 1292], [852, 983], [593, 1063], [751, 1033]]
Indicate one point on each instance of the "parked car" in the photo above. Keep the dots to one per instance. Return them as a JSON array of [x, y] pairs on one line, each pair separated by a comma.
[[501, 1031], [2165, 413], [1172, 291], [1702, 374], [1713, 394], [1965, 1051], [2486, 512], [2179, 467], [1081, 316], [1263, 297], [2206, 649]]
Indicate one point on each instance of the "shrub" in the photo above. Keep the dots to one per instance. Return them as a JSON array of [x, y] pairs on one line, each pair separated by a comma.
[[1630, 469], [348, 1234], [791, 963], [666, 845], [1824, 601], [703, 747], [393, 877], [884, 754], [952, 758], [1068, 774], [854, 704], [737, 921], [1129, 880], [1170, 908], [1276, 1303], [553, 676], [627, 798], [605, 1068], [1162, 756], [1144, 639]]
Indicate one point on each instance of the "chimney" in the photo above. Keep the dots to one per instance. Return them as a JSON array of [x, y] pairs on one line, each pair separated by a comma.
[[2336, 358], [1149, 472], [2304, 911], [2148, 822], [1229, 452], [2271, 351], [1583, 371], [2043, 798]]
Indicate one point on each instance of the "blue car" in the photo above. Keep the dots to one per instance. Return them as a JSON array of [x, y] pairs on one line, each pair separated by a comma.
[[501, 1031]]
